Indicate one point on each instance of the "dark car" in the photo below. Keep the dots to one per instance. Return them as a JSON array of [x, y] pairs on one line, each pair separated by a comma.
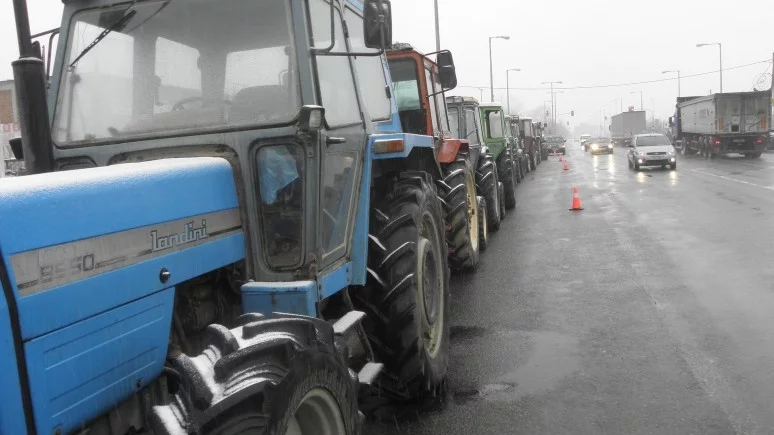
[[600, 145], [556, 145]]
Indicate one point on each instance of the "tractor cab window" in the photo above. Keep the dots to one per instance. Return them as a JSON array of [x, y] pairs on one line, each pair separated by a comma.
[[494, 124], [158, 67], [370, 70], [454, 123], [281, 189], [526, 127], [405, 86], [472, 132]]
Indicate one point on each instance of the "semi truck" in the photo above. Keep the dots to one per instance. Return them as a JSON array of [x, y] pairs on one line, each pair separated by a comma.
[[719, 124], [626, 125]]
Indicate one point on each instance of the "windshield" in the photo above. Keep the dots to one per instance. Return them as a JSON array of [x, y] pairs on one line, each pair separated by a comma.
[[405, 84], [647, 141], [155, 72], [454, 123], [526, 128]]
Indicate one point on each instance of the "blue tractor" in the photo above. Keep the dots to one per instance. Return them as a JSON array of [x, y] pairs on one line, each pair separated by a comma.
[[195, 168]]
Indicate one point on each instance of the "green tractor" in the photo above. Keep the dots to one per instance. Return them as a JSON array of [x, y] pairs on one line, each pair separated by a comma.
[[496, 139]]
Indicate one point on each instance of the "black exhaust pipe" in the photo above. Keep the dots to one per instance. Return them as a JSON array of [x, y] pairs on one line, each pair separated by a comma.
[[29, 75], [30, 79]]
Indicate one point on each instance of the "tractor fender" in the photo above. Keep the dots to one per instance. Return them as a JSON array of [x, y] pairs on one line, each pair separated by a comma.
[[449, 149]]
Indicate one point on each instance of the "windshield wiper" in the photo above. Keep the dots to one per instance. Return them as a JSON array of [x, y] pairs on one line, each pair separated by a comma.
[[118, 25]]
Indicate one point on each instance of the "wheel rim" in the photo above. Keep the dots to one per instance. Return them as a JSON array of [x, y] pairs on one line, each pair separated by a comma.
[[484, 226], [318, 413], [430, 265], [470, 187]]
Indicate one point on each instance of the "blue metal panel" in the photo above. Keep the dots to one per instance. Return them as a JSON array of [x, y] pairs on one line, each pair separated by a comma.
[[49, 209], [332, 282], [296, 297], [410, 141], [81, 371], [53, 309], [359, 250], [11, 410]]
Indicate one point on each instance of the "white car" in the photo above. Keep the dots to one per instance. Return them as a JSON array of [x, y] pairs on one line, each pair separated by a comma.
[[651, 150]]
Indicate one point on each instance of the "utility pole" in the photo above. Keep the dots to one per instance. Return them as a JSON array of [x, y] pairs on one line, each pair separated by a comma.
[[508, 86], [553, 107], [678, 79], [437, 28], [720, 52], [491, 72]]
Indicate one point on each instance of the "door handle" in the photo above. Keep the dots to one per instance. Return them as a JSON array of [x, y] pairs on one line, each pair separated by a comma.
[[335, 140]]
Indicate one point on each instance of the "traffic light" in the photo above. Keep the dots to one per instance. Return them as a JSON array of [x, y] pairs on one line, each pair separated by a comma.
[[572, 113]]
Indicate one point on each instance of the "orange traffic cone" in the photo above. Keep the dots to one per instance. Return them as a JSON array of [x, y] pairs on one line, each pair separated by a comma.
[[576, 205], [566, 168]]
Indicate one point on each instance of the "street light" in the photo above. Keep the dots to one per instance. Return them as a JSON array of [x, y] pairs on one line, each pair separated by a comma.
[[553, 109], [491, 73], [437, 28], [508, 86], [678, 78], [640, 92], [615, 100], [720, 51], [653, 112]]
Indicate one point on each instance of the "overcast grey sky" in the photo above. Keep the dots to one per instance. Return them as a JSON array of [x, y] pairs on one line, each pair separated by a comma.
[[580, 43]]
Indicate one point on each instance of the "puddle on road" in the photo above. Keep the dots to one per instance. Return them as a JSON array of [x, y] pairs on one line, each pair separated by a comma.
[[553, 358]]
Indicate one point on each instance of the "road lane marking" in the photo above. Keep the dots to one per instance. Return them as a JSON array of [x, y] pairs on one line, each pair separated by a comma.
[[731, 179]]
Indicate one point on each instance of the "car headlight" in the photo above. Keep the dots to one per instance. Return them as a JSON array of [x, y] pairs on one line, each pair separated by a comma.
[[594, 146], [610, 145], [671, 152], [640, 153]]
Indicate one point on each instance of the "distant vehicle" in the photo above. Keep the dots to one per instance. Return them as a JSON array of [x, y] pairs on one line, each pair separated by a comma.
[[583, 139], [725, 123], [556, 145], [624, 126], [652, 149], [600, 145]]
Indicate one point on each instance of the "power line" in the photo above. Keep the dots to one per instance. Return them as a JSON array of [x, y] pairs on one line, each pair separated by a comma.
[[613, 85]]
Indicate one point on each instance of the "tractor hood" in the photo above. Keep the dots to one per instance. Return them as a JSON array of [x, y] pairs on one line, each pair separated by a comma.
[[90, 259]]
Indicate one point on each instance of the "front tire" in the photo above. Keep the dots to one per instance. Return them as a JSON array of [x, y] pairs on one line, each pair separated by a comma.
[[673, 166], [483, 228], [486, 185], [505, 173], [406, 297], [283, 375], [458, 191]]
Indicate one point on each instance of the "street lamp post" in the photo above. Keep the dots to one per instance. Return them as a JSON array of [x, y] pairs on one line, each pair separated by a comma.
[[437, 28], [508, 86], [720, 51], [678, 78], [491, 72], [640, 92], [553, 109]]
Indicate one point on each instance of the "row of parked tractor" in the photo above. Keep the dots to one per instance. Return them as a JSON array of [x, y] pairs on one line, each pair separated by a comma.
[[259, 239]]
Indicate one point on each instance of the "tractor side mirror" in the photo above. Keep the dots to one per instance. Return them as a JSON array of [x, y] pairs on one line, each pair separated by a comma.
[[447, 74], [311, 118], [377, 23]]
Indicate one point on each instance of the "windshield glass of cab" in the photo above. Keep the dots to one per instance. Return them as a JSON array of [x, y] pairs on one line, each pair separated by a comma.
[[166, 67]]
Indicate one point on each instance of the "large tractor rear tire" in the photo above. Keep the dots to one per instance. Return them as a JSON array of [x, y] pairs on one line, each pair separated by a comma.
[[458, 191], [486, 184], [506, 172], [406, 298], [281, 375]]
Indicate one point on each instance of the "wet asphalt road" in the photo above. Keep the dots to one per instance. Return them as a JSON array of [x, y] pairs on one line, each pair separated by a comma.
[[650, 312]]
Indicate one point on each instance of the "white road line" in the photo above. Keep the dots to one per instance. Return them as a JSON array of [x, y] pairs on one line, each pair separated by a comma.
[[732, 179]]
